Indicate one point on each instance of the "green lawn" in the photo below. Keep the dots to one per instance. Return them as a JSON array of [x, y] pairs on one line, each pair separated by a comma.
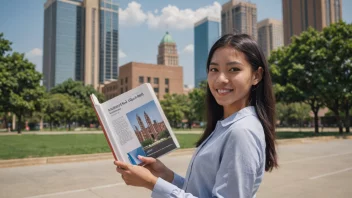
[[23, 146]]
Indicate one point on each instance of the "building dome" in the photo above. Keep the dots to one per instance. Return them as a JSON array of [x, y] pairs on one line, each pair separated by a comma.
[[167, 39]]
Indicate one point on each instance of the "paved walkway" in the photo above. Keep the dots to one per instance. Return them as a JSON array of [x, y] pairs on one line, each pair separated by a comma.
[[176, 132], [322, 169]]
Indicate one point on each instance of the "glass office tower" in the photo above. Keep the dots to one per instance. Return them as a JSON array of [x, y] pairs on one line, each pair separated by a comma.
[[206, 32]]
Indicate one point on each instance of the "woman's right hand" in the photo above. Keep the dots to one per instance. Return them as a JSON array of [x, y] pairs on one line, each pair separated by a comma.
[[157, 168]]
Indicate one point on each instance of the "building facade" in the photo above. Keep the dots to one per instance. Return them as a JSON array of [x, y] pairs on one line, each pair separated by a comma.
[[206, 33], [164, 79], [151, 131], [299, 15], [239, 17], [80, 41], [270, 35]]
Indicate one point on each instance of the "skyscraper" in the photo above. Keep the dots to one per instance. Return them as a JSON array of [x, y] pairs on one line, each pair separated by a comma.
[[270, 35], [239, 17], [80, 41], [206, 32], [299, 15], [167, 51]]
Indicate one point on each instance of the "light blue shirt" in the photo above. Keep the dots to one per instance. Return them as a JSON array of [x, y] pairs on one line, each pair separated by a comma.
[[229, 163]]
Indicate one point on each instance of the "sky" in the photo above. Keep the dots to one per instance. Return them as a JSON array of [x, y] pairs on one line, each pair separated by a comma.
[[142, 24], [150, 108]]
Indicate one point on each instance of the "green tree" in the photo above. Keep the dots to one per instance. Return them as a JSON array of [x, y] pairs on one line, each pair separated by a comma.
[[174, 107], [197, 102], [293, 113], [299, 71], [84, 112], [20, 89], [59, 110], [338, 93], [5, 47]]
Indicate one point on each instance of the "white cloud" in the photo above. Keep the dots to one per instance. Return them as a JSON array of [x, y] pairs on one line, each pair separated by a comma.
[[132, 15], [189, 49], [34, 53], [122, 54], [172, 17]]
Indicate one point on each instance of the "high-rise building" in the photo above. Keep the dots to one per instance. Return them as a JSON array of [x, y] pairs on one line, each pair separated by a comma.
[[239, 17], [206, 32], [270, 35], [167, 53], [80, 41], [299, 15]]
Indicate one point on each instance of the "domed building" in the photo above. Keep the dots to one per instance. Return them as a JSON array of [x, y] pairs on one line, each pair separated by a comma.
[[167, 54], [166, 77]]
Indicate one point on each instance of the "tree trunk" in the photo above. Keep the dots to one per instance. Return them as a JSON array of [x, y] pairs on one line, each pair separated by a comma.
[[347, 118], [6, 123], [41, 123], [51, 125], [19, 123], [338, 120], [316, 127]]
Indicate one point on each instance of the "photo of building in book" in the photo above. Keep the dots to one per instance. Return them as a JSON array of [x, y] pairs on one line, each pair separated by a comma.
[[151, 131], [150, 128]]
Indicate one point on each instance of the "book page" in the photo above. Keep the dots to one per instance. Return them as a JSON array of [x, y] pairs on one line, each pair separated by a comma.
[[139, 125]]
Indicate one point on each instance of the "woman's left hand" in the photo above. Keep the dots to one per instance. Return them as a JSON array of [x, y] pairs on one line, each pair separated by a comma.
[[136, 175]]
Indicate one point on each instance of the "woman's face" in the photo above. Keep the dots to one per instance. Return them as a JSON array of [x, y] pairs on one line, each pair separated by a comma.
[[230, 78]]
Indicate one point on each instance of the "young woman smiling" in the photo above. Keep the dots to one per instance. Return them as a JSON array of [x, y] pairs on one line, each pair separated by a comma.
[[238, 144]]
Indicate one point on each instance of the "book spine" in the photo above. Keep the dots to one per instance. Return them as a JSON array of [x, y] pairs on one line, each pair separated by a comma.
[[104, 130]]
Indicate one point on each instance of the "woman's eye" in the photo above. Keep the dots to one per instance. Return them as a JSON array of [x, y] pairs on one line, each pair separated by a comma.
[[213, 69], [234, 69]]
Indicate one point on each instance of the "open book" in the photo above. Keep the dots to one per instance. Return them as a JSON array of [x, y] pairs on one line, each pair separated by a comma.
[[134, 124]]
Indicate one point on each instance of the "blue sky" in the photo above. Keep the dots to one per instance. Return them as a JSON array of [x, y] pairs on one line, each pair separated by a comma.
[[142, 25], [150, 108]]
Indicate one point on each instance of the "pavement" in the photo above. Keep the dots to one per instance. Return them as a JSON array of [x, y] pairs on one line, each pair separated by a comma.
[[176, 132], [310, 169]]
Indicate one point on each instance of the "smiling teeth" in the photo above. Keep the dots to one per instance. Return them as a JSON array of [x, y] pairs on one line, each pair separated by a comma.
[[224, 90]]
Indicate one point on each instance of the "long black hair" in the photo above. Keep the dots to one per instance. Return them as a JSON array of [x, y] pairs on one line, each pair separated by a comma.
[[261, 96]]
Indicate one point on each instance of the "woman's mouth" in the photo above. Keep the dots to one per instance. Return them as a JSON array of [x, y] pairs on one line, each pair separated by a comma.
[[223, 91]]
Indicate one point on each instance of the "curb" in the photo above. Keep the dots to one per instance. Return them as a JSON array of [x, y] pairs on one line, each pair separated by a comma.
[[106, 156]]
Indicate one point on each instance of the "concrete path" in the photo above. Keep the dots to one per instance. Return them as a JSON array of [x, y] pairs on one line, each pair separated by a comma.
[[321, 169], [176, 132]]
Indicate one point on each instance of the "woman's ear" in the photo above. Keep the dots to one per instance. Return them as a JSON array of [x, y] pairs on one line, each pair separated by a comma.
[[258, 75]]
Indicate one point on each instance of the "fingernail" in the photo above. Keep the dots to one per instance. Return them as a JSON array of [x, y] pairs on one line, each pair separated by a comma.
[[139, 157]]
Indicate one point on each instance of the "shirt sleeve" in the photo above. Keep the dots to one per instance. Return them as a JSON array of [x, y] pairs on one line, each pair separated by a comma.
[[236, 175], [178, 180], [238, 168]]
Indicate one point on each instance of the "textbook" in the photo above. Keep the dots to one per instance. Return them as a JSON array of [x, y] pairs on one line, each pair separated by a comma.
[[135, 124]]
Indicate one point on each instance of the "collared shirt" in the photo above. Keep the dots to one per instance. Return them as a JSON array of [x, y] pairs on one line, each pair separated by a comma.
[[229, 163]]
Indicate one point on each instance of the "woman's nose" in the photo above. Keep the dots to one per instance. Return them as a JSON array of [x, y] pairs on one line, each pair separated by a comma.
[[222, 78]]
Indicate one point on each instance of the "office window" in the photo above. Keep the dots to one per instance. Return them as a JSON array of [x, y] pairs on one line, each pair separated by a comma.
[[126, 80], [121, 90], [148, 79], [156, 80], [166, 90], [141, 79], [156, 89], [166, 81], [121, 81]]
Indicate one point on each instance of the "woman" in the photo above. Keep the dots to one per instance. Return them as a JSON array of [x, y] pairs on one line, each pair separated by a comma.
[[238, 144]]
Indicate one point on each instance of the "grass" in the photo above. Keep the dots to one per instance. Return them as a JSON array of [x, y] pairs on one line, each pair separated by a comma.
[[23, 146]]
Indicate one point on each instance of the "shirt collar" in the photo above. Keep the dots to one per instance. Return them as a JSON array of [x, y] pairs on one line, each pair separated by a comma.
[[250, 110]]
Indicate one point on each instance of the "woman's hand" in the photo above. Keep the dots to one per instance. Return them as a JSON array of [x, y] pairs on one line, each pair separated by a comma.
[[136, 175], [157, 168]]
